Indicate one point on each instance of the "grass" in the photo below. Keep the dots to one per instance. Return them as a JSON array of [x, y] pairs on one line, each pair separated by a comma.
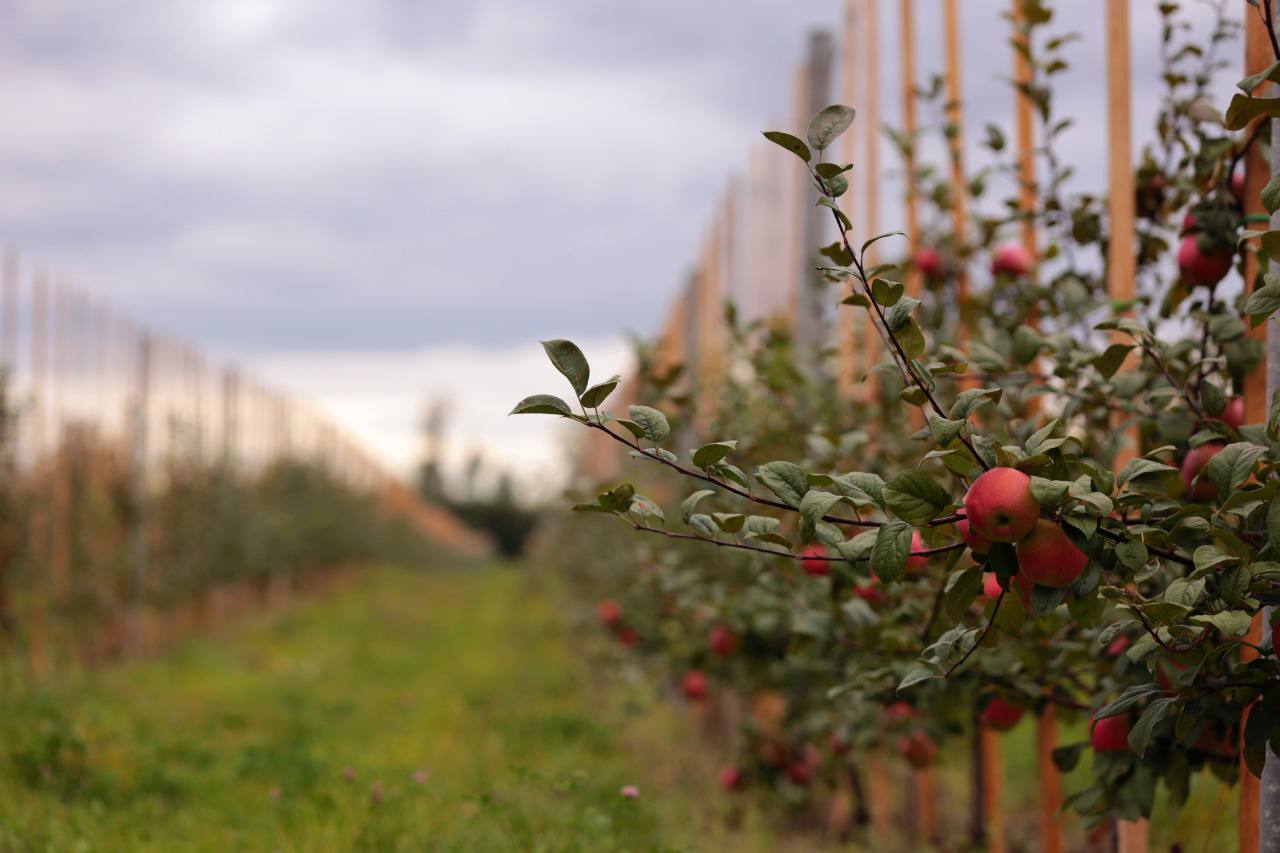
[[408, 711]]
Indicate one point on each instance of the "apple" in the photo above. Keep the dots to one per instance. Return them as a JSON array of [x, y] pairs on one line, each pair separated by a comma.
[[1203, 268], [1233, 414], [1048, 558], [1012, 259], [721, 640], [609, 611], [1118, 646], [991, 586], [816, 568], [918, 748], [978, 544], [929, 262], [732, 779], [627, 636], [871, 593], [1110, 734], [900, 711], [917, 562], [694, 685], [1237, 185], [1001, 714], [800, 772], [836, 744], [1201, 489], [999, 505]]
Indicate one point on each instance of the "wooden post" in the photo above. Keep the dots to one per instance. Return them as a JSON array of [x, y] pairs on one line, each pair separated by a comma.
[[1024, 134], [871, 190], [908, 58], [955, 116], [847, 315], [1257, 56], [1050, 781], [1131, 836]]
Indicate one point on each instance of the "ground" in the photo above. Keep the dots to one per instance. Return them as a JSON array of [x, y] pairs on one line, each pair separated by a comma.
[[451, 710]]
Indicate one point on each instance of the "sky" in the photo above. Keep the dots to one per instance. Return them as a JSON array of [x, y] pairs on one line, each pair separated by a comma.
[[374, 203]]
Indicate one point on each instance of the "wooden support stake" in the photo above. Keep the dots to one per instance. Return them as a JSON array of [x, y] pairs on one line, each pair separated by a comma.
[[959, 184], [1257, 56], [871, 191], [850, 360], [1050, 781], [908, 58]]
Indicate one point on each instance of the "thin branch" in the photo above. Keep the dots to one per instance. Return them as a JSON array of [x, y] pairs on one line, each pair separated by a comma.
[[981, 637]]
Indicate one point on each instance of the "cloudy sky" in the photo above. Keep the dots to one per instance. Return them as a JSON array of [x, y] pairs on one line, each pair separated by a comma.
[[372, 202]]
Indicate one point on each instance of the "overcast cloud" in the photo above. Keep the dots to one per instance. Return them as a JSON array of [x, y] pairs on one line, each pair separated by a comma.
[[290, 183]]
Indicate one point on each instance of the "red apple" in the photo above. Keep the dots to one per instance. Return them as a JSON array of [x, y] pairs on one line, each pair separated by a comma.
[[1012, 259], [1048, 558], [871, 593], [1118, 645], [918, 748], [917, 562], [1110, 734], [721, 640], [609, 611], [694, 685], [732, 779], [836, 744], [800, 772], [1233, 414], [1201, 489], [978, 544], [627, 636], [817, 568], [1237, 185], [1201, 268], [900, 711], [1001, 714], [999, 505], [929, 262], [991, 585]]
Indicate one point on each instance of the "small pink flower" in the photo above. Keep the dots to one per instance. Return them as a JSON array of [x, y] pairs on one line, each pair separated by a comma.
[[420, 776], [630, 791]]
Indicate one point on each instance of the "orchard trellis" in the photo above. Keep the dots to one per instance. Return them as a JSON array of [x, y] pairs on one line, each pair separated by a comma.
[[127, 454], [1132, 397]]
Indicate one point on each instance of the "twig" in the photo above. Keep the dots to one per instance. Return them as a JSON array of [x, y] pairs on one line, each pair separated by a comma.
[[981, 637]]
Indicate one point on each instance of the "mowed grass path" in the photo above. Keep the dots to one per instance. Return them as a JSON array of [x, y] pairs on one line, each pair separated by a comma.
[[407, 711]]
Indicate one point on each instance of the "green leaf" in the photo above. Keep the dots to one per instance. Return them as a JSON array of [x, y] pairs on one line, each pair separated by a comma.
[[729, 473], [651, 422], [786, 480], [542, 404], [1244, 109], [1273, 525], [1263, 302], [889, 554], [860, 487], [920, 671], [1110, 360], [702, 523], [597, 394], [1233, 623], [791, 143], [710, 454], [1128, 699], [1270, 74], [631, 426], [969, 401], [729, 522], [1271, 194], [645, 509], [1132, 554], [1231, 466], [1049, 493], [898, 316], [618, 499], [886, 292], [961, 590], [1142, 731], [915, 497], [813, 506], [1142, 467], [944, 430], [827, 125], [689, 505], [570, 361]]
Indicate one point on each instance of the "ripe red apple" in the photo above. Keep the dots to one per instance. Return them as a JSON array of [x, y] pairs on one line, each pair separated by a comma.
[[800, 772], [917, 562], [694, 685], [1012, 259], [609, 611], [817, 568], [1001, 714], [871, 593], [1110, 734], [1233, 414], [1237, 185], [1194, 462], [627, 636], [900, 711], [929, 262], [732, 778], [1118, 645], [978, 544], [999, 505], [991, 585], [1201, 268], [1048, 558], [721, 640], [918, 748]]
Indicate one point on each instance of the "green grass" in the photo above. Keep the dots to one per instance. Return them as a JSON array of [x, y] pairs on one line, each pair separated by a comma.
[[244, 741], [412, 711]]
